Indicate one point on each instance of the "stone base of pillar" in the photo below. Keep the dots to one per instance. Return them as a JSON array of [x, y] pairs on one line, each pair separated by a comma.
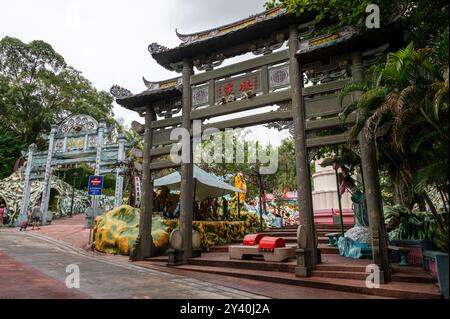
[[142, 248], [385, 276], [196, 253], [302, 269], [175, 257]]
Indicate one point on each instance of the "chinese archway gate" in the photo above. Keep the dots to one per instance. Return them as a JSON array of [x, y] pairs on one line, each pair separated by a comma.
[[277, 76], [79, 139]]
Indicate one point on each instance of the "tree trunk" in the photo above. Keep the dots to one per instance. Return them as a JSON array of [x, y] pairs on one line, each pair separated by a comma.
[[422, 204], [398, 195], [435, 213]]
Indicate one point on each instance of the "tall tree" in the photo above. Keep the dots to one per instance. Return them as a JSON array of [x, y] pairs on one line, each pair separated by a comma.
[[405, 109], [10, 149], [423, 19], [38, 89]]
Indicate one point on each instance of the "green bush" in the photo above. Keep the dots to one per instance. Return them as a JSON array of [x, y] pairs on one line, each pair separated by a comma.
[[405, 224]]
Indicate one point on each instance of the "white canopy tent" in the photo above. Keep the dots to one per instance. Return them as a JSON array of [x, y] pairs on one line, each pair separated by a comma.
[[206, 184]]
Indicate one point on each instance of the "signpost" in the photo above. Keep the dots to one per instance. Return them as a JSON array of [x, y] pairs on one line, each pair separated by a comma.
[[95, 187]]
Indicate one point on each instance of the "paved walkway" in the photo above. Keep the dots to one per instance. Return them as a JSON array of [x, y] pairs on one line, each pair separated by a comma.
[[19, 280], [35, 266], [70, 230], [70, 233]]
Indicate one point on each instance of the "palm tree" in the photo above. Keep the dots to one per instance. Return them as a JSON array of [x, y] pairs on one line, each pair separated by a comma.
[[404, 107]]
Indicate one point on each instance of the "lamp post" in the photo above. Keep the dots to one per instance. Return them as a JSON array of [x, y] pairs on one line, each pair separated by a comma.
[[74, 176], [336, 167]]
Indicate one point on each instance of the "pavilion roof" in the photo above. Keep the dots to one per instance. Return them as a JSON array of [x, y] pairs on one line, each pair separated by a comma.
[[234, 34], [348, 39], [156, 91]]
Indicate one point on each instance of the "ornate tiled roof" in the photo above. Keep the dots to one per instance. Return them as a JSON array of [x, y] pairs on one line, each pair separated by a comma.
[[216, 40], [203, 35], [155, 91]]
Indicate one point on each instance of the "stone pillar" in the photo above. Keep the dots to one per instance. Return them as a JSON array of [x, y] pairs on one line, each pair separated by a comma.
[[86, 142], [100, 136], [48, 175], [302, 162], [98, 160], [144, 243], [187, 180], [26, 186], [372, 187], [119, 176]]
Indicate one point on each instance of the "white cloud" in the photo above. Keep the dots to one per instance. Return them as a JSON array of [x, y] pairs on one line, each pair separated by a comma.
[[107, 39]]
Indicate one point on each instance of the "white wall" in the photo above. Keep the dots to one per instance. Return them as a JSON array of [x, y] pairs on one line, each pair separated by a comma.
[[325, 192]]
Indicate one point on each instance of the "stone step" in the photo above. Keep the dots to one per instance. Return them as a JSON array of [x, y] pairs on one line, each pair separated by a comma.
[[322, 233], [340, 267], [323, 245], [283, 229], [158, 259], [393, 289], [253, 264], [399, 272], [340, 274], [325, 249], [333, 226], [218, 249], [322, 270], [411, 277], [280, 234]]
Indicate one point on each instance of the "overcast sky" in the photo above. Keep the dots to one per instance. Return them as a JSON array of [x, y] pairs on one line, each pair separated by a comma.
[[107, 40]]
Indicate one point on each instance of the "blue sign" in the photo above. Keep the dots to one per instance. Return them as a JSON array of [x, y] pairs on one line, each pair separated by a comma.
[[95, 185]]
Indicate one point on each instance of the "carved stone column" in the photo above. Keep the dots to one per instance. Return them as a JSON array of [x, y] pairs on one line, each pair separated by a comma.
[[26, 186], [372, 187], [187, 179], [48, 175], [119, 176], [100, 136], [302, 162], [144, 243], [98, 160]]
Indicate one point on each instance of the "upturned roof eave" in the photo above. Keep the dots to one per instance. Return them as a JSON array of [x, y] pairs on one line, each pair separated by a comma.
[[168, 56], [149, 97]]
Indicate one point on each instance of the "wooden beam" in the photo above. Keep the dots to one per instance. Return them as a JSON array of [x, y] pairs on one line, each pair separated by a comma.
[[173, 121], [252, 120], [211, 91], [163, 165], [160, 151], [265, 79], [324, 105], [268, 99], [325, 87], [240, 67], [327, 140], [242, 105], [162, 138], [329, 122]]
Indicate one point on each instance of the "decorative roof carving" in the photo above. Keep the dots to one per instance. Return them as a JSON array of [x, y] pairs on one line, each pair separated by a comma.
[[77, 123], [155, 48], [152, 86], [119, 92], [209, 64], [326, 40], [199, 36]]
